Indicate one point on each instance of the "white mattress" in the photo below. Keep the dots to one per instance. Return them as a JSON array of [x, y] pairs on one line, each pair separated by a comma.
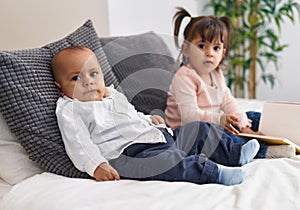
[[250, 104], [269, 184]]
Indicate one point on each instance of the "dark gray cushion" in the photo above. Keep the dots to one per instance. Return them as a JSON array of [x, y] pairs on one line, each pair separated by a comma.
[[144, 67], [28, 98]]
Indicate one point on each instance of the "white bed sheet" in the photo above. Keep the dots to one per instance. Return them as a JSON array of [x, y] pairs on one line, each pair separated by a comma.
[[4, 188], [269, 184]]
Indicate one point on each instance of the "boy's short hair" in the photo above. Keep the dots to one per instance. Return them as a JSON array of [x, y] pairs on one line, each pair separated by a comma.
[[55, 65]]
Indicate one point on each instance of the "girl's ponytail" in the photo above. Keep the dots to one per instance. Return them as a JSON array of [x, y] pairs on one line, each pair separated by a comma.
[[229, 28], [177, 18]]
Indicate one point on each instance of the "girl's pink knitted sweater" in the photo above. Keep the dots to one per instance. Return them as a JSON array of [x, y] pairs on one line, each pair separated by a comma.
[[191, 99]]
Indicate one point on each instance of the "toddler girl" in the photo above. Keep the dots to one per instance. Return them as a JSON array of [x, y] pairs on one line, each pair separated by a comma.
[[198, 91]]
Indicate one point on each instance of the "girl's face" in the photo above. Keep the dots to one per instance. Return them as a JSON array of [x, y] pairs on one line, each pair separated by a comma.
[[204, 56]]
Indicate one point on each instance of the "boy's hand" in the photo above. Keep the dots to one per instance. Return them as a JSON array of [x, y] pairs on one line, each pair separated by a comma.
[[105, 172], [108, 91], [156, 120], [230, 123]]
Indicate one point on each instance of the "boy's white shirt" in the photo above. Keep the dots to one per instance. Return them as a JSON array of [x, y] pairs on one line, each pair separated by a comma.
[[98, 131]]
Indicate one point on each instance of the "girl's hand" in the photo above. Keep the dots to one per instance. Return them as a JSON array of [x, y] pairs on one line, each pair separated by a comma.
[[249, 123], [250, 131], [105, 172], [156, 120], [230, 123]]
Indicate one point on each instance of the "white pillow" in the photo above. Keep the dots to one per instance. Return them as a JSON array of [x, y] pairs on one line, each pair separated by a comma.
[[15, 164]]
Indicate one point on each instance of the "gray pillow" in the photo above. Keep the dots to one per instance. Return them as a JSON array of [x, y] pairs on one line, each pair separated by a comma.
[[144, 67], [28, 98]]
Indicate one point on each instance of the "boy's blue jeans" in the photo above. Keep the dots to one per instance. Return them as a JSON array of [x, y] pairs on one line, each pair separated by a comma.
[[190, 155], [255, 117]]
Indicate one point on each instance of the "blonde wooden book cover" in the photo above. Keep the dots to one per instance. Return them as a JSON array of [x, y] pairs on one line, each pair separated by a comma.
[[270, 139], [280, 124]]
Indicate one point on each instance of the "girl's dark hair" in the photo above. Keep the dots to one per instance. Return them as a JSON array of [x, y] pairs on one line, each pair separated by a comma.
[[208, 27]]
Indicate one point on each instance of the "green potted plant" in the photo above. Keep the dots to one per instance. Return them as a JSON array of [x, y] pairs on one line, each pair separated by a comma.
[[256, 39]]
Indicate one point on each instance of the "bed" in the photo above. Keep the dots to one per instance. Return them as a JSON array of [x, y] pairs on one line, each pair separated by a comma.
[[35, 172]]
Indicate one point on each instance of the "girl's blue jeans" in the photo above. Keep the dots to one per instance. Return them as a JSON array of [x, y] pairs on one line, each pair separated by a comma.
[[255, 117]]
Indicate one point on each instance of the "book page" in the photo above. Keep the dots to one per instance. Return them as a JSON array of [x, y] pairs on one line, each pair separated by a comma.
[[281, 120]]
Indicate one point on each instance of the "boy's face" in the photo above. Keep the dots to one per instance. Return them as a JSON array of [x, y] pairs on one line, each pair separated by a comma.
[[80, 76]]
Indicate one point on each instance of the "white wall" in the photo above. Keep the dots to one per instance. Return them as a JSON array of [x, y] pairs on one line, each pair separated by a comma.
[[288, 75], [33, 23], [137, 16]]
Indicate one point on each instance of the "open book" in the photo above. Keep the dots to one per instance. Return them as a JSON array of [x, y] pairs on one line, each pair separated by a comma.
[[280, 124]]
